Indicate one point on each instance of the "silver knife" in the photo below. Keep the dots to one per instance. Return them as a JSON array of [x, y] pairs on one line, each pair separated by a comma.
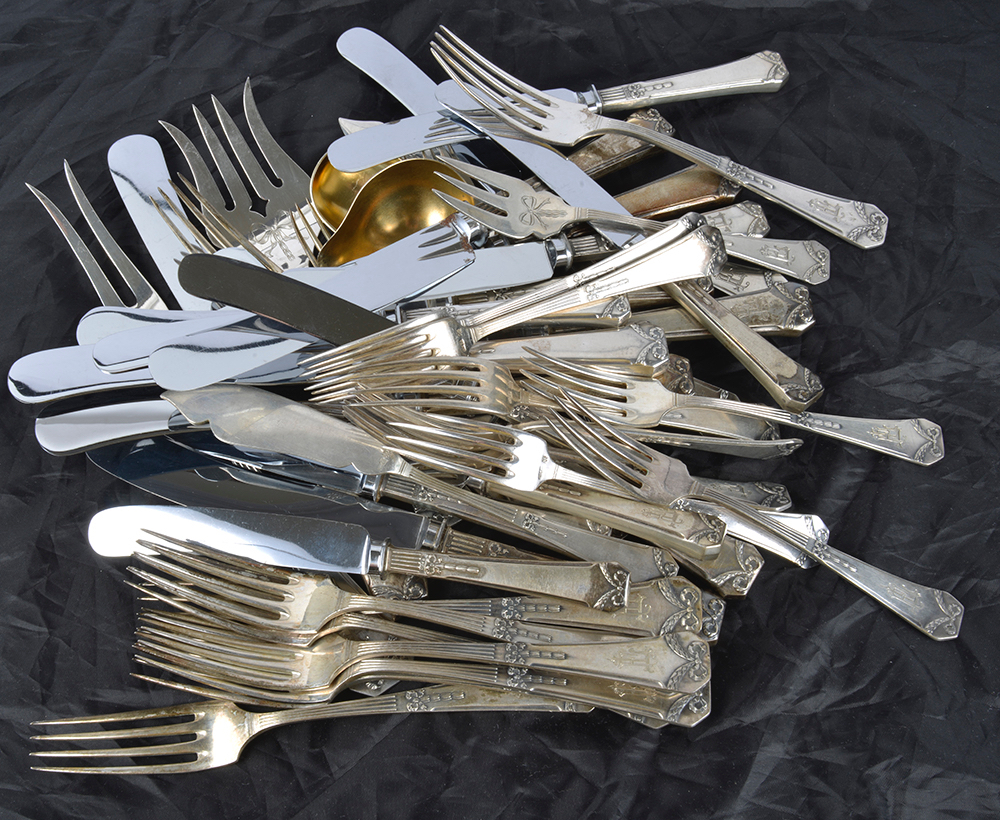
[[317, 545], [256, 420], [793, 386], [211, 356]]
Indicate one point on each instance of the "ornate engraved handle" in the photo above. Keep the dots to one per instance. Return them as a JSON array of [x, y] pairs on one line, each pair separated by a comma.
[[761, 72], [677, 661], [602, 585], [653, 608], [443, 698], [532, 524], [681, 532], [859, 223], [790, 384], [936, 613], [915, 440]]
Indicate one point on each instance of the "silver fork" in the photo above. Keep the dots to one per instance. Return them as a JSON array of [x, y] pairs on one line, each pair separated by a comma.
[[466, 384], [282, 231], [266, 601], [215, 732], [515, 463], [934, 612], [545, 118], [296, 673], [645, 402], [687, 250], [519, 211], [141, 293]]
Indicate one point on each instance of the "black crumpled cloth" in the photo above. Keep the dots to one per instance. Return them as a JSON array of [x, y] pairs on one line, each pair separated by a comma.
[[825, 705]]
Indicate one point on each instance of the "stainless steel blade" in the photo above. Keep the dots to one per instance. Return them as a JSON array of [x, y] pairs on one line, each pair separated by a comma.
[[309, 544], [562, 176], [140, 173], [256, 420], [194, 477]]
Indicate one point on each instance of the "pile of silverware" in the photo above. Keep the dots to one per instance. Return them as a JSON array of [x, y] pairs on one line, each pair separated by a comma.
[[409, 366]]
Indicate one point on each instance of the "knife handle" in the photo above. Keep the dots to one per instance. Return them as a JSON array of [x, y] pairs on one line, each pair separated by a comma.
[[530, 524], [696, 536], [693, 188], [601, 585], [760, 72]]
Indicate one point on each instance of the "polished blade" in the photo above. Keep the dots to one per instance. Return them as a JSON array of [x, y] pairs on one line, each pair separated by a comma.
[[290, 541], [259, 421]]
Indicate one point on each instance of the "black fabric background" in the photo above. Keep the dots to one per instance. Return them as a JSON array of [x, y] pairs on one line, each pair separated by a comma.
[[825, 706]]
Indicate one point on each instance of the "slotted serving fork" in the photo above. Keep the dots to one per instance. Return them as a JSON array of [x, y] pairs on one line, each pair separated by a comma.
[[642, 401], [540, 116], [286, 228], [141, 292]]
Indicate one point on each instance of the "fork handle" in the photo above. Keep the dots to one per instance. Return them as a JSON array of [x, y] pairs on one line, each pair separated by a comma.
[[790, 384], [918, 440], [602, 585], [761, 72], [859, 223]]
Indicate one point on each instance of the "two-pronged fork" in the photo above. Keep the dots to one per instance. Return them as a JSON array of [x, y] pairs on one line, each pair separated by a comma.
[[543, 117], [141, 293]]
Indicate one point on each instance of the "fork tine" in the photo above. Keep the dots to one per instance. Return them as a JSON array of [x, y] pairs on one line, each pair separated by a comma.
[[142, 293], [237, 190], [471, 211], [164, 730], [244, 155], [178, 710], [105, 290], [498, 201], [198, 571], [463, 51], [497, 104], [160, 768], [480, 174], [254, 613], [285, 168], [441, 464], [204, 182]]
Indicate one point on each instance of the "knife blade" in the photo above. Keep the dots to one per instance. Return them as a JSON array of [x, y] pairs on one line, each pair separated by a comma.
[[188, 476], [761, 72], [140, 173], [407, 267], [318, 545]]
